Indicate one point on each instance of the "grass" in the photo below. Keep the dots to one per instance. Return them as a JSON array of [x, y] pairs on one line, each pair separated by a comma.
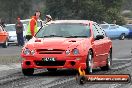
[[10, 59]]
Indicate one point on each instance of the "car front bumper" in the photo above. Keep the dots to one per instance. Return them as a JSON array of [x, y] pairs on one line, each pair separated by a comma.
[[12, 39], [61, 62]]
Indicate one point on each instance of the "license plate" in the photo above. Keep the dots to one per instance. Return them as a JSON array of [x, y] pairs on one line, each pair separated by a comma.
[[48, 59]]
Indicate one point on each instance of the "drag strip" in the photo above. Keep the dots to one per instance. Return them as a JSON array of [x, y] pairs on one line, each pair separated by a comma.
[[12, 77], [42, 78]]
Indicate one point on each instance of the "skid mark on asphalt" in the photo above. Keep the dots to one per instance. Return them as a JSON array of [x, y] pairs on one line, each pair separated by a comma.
[[9, 67], [46, 82], [122, 59]]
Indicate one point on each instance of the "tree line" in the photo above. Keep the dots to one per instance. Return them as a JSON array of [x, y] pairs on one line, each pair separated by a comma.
[[96, 10]]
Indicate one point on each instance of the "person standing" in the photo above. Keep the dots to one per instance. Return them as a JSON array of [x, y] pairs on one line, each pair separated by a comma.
[[32, 26], [114, 22], [48, 18], [19, 32]]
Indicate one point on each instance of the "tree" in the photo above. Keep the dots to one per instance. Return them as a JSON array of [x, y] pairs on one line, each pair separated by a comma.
[[113, 10], [96, 10], [10, 10]]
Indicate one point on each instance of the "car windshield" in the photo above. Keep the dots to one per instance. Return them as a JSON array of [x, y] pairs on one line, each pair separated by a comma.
[[68, 30], [10, 28], [128, 26], [104, 26]]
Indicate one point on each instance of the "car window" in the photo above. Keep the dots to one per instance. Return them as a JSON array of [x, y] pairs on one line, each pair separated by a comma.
[[65, 30], [128, 26], [113, 26], [10, 28], [105, 26], [98, 30], [102, 32], [39, 23], [95, 30]]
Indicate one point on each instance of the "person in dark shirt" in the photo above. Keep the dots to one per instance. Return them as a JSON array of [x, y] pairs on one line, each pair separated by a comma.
[[2, 22], [19, 32]]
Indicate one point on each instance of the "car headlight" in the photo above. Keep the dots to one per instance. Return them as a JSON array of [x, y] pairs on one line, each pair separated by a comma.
[[26, 51], [32, 52], [75, 51], [67, 52]]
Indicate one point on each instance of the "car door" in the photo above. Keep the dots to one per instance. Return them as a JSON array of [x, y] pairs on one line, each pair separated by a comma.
[[2, 35], [101, 46], [105, 45], [97, 44], [113, 31]]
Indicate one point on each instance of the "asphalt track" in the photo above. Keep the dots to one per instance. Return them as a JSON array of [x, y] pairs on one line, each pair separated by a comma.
[[11, 76]]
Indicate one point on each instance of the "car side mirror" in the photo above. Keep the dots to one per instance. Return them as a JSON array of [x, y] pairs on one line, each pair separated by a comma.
[[98, 37]]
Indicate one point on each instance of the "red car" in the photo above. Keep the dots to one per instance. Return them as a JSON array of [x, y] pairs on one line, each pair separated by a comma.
[[3, 37], [68, 44]]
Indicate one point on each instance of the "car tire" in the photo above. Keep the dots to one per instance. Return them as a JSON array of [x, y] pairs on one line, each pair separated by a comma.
[[51, 69], [28, 71], [109, 62], [5, 44], [122, 36], [89, 62]]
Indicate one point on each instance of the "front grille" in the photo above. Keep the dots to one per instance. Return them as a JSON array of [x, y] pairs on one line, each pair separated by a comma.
[[49, 63], [46, 51]]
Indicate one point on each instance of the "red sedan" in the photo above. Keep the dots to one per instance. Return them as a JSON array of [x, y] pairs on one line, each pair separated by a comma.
[[68, 44]]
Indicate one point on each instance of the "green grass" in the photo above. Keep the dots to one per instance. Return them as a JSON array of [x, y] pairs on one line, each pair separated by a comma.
[[10, 59]]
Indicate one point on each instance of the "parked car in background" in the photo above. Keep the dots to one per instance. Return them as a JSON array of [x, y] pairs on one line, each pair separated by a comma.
[[129, 26], [3, 37], [67, 44], [114, 31], [26, 21], [10, 28]]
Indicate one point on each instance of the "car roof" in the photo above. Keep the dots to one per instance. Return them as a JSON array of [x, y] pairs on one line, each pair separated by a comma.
[[29, 20], [12, 24], [9, 24], [71, 21], [25, 20], [107, 24]]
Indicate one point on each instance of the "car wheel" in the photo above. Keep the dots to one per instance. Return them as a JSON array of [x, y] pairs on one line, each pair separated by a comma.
[[89, 62], [81, 80], [28, 71], [51, 69], [5, 44], [109, 62], [122, 36]]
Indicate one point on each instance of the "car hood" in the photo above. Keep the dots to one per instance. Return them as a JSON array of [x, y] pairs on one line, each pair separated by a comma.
[[55, 43], [12, 33]]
